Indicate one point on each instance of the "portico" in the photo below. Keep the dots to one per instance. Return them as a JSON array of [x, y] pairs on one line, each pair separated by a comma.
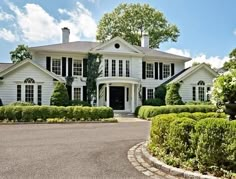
[[122, 94]]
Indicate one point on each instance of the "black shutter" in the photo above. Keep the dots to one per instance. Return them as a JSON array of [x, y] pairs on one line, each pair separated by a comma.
[[69, 66], [156, 70], [144, 70], [84, 93], [85, 67], [63, 66], [69, 90], [172, 69], [160, 70], [143, 94], [48, 63]]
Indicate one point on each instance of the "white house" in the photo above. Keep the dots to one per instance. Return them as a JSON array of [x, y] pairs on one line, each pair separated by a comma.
[[130, 73]]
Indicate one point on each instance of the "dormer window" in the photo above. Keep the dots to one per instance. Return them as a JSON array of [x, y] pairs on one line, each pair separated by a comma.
[[56, 66]]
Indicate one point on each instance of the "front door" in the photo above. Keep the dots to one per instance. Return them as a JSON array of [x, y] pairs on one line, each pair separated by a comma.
[[117, 101]]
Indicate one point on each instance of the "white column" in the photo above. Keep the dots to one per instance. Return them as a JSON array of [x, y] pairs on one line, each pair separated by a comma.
[[132, 102], [108, 95], [97, 94]]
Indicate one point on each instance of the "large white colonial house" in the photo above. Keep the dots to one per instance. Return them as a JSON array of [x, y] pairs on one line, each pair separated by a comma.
[[130, 73]]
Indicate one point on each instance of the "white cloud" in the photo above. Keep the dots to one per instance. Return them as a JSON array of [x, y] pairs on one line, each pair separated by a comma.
[[5, 16], [215, 61], [7, 35], [36, 25]]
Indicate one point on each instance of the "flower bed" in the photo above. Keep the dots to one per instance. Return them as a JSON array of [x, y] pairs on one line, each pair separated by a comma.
[[42, 113], [196, 141]]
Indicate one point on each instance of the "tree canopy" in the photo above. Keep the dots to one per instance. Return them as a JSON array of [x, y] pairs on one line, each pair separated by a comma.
[[20, 53], [231, 64], [130, 21]]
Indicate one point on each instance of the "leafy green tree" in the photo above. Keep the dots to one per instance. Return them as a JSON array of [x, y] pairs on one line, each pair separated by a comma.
[[231, 64], [160, 93], [130, 21], [20, 53], [60, 95], [172, 94]]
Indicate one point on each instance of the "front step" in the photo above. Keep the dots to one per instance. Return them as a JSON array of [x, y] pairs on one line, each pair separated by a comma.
[[123, 114]]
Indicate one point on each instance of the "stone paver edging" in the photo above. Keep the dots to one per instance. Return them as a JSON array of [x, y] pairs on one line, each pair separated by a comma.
[[152, 167]]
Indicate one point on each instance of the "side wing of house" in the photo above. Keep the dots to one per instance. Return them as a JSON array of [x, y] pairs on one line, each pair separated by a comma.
[[26, 82], [197, 85]]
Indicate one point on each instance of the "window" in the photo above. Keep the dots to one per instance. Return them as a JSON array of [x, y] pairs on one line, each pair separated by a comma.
[[113, 68], [56, 66], [201, 91], [106, 67], [18, 93], [77, 67], [149, 93], [77, 93], [29, 90], [120, 68], [149, 70], [39, 94], [127, 68], [166, 70], [194, 93]]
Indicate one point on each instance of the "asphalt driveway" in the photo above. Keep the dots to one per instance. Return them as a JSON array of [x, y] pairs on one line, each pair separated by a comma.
[[70, 150]]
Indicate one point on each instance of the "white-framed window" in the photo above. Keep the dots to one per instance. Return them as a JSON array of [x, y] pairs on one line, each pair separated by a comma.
[[77, 67], [106, 72], [127, 64], [149, 70], [166, 70], [201, 91], [56, 66], [29, 90], [113, 67], [77, 93], [150, 93], [120, 67]]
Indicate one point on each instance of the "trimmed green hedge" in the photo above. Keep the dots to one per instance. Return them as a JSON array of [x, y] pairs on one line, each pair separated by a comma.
[[146, 112], [42, 113], [200, 141]]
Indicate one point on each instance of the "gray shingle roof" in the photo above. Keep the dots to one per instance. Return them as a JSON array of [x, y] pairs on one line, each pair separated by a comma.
[[85, 47], [4, 66]]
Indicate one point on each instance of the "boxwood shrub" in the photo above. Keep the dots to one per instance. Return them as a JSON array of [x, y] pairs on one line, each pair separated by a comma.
[[201, 141], [146, 112], [42, 113]]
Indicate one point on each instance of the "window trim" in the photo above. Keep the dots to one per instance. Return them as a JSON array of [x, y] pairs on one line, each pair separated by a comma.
[[127, 72], [120, 69], [163, 71], [113, 68], [153, 92], [80, 88], [106, 68], [153, 70]]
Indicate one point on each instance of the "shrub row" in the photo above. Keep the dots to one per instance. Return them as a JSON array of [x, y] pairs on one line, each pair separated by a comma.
[[201, 141], [146, 112], [42, 113]]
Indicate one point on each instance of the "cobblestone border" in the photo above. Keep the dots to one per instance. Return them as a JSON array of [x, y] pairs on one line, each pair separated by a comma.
[[150, 166]]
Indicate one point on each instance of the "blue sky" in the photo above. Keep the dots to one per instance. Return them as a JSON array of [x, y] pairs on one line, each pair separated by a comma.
[[207, 27]]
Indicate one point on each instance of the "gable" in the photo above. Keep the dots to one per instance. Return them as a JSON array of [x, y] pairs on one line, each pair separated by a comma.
[[117, 45]]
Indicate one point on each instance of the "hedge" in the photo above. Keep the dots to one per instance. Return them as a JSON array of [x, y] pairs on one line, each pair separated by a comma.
[[146, 112], [200, 141], [42, 113]]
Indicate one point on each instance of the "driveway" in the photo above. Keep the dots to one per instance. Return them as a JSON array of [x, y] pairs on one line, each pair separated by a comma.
[[70, 150]]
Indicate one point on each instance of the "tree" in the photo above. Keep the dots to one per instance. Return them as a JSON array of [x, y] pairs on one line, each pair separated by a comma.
[[20, 53], [231, 64], [130, 21], [160, 93], [60, 95], [172, 94]]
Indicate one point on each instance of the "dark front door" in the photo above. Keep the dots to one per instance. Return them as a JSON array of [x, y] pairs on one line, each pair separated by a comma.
[[117, 101]]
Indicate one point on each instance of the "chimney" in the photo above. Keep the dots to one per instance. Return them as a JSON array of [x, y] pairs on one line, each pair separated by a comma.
[[145, 40], [65, 34]]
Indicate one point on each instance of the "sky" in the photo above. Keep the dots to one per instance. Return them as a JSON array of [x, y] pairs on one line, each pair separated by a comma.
[[207, 27]]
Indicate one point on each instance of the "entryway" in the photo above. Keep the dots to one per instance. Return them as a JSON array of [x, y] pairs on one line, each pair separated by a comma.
[[117, 98]]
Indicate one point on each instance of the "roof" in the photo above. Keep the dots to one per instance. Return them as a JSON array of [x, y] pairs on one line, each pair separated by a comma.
[[85, 47], [79, 46], [175, 76], [4, 66], [189, 71], [17, 65]]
